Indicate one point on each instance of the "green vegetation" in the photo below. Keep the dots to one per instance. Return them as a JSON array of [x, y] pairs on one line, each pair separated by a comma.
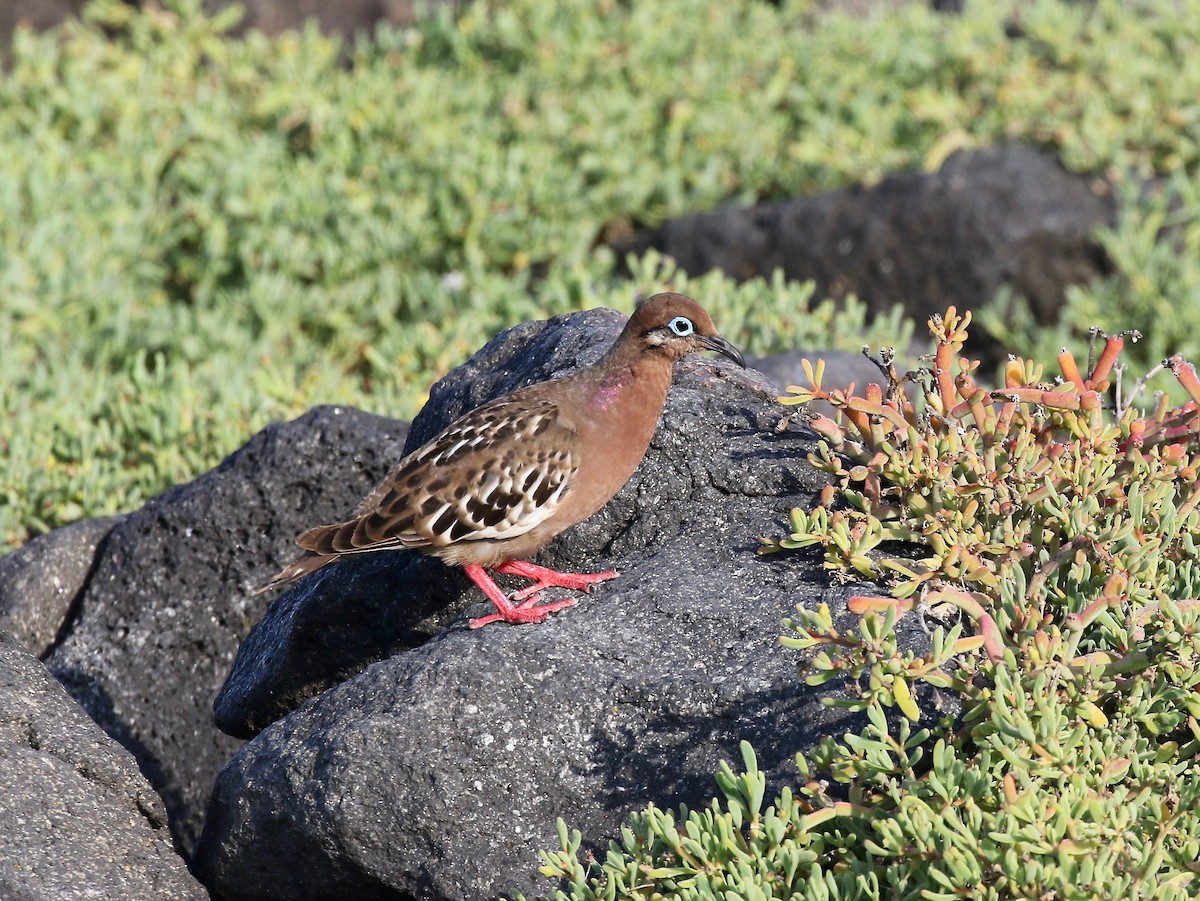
[[199, 234], [1061, 537]]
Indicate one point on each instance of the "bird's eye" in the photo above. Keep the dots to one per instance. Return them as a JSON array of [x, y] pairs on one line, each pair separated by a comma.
[[681, 325]]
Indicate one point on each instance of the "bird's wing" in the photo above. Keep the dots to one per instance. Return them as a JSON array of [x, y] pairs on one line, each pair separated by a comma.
[[496, 473]]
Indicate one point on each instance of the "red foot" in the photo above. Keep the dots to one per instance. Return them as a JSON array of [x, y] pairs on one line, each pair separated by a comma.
[[528, 609], [544, 577]]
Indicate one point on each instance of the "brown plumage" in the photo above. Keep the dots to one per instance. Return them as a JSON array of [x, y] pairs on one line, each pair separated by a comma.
[[500, 482]]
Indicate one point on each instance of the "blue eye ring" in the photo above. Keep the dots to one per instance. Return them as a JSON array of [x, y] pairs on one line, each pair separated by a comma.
[[681, 326]]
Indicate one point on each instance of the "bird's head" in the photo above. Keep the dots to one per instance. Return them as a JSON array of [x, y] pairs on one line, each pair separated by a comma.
[[674, 325]]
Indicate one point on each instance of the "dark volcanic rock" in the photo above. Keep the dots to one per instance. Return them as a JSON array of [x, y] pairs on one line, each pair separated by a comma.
[[166, 605], [1004, 216], [439, 771], [324, 629], [40, 581], [402, 754], [77, 819], [330, 627], [522, 355]]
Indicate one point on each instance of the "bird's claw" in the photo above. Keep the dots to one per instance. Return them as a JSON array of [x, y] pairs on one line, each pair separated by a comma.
[[573, 581], [528, 611]]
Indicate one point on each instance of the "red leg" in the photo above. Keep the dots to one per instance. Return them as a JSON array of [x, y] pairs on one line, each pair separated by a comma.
[[529, 611], [544, 577]]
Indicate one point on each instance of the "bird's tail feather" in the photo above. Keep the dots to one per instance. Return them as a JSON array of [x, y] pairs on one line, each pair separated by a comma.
[[296, 570]]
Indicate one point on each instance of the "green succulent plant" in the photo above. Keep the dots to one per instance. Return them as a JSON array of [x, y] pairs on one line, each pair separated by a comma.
[[1058, 567]]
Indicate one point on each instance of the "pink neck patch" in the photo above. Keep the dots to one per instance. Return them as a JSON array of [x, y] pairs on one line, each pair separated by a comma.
[[607, 393]]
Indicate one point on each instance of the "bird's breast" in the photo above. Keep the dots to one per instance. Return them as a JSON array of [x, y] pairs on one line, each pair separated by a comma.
[[615, 422]]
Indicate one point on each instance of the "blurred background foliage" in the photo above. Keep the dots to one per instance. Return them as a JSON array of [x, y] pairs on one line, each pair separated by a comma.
[[200, 233]]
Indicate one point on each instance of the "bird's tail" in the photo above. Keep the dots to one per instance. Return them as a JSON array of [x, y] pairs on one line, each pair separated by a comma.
[[296, 570]]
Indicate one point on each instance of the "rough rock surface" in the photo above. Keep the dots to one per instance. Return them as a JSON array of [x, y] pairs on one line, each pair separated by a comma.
[[164, 610], [40, 582], [439, 771], [1004, 216], [77, 818], [353, 613], [402, 754]]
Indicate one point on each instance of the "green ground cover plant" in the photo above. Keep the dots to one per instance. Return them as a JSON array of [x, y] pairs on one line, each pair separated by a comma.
[[200, 233], [1058, 568]]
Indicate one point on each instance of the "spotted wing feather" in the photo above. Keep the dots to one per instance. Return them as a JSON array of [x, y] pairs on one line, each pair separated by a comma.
[[496, 473]]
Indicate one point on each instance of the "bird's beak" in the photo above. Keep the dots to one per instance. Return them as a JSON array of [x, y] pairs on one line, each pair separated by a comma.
[[723, 347]]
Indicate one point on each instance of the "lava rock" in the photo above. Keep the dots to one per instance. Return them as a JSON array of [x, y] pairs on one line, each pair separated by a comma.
[[41, 581], [1007, 216], [438, 771], [168, 602], [78, 819], [398, 752], [355, 612]]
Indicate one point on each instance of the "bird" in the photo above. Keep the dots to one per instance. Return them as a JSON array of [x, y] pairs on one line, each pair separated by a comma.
[[496, 485]]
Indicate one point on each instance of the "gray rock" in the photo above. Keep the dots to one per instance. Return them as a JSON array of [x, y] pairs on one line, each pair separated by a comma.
[[1007, 216], [167, 603], [439, 771], [330, 627], [354, 613], [78, 819], [40, 581], [519, 356], [401, 754]]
